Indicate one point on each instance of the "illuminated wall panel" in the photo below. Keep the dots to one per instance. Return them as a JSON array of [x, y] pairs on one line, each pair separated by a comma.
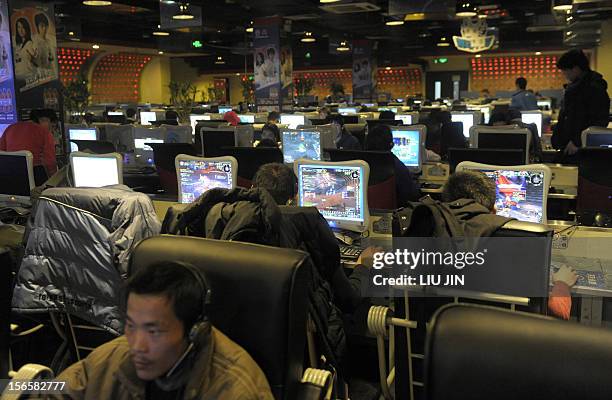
[[71, 62], [116, 78]]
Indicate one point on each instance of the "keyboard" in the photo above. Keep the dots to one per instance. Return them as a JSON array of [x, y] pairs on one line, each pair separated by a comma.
[[350, 252], [428, 185]]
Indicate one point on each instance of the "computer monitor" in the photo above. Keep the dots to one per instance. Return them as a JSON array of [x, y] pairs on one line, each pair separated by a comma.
[[521, 191], [292, 120], [114, 113], [337, 189], [247, 118], [96, 170], [545, 104], [485, 156], [194, 118], [224, 109], [597, 137], [16, 176], [594, 199], [407, 119], [508, 137], [409, 145], [210, 141], [196, 175], [146, 117], [533, 117], [347, 110], [303, 143], [468, 119], [328, 135], [393, 109], [81, 134]]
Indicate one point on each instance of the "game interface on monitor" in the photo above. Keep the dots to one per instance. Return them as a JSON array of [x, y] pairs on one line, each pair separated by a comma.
[[198, 176], [519, 194], [335, 191], [301, 144], [406, 147]]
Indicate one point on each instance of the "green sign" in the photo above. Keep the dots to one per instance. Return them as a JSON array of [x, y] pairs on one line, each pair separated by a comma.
[[197, 44], [440, 60]]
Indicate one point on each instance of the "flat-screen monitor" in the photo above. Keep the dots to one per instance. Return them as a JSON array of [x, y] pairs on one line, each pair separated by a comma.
[[409, 144], [337, 189], [393, 109], [503, 138], [594, 186], [81, 134], [347, 110], [545, 104], [468, 119], [196, 175], [485, 156], [194, 118], [247, 118], [407, 119], [96, 170], [597, 137], [301, 144], [533, 117], [16, 176], [224, 109], [146, 117], [521, 191], [292, 120], [328, 135]]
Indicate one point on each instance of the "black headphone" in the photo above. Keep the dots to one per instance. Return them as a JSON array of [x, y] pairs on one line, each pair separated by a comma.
[[201, 323]]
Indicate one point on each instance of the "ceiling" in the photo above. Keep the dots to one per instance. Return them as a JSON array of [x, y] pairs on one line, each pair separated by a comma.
[[524, 25]]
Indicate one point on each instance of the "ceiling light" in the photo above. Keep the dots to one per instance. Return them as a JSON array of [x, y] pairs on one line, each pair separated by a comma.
[[538, 53], [184, 13], [160, 52], [98, 3], [443, 42], [482, 16], [562, 5], [249, 29], [465, 9], [308, 38], [343, 46], [161, 33], [387, 68], [568, 33], [95, 46], [328, 1], [219, 60], [477, 56], [70, 33], [394, 22]]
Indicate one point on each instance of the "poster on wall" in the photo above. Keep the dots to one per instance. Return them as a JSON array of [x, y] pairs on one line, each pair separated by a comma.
[[34, 45], [286, 66], [8, 108], [363, 70], [267, 64]]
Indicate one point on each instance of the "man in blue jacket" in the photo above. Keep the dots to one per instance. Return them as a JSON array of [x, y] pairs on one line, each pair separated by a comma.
[[522, 99]]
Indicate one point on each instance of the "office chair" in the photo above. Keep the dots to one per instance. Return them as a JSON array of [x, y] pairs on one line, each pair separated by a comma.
[[259, 300], [250, 159], [212, 141], [164, 155], [476, 352]]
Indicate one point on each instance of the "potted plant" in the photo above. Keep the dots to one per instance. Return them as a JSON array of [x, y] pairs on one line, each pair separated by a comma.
[[183, 98], [304, 86], [248, 89], [337, 92], [76, 99]]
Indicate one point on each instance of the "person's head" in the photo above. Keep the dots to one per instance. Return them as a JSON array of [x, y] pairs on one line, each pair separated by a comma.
[[42, 24], [573, 64], [164, 302], [379, 139], [259, 59], [24, 32], [498, 117], [473, 185], [232, 118], [386, 114], [273, 117], [279, 180], [271, 53], [337, 121], [267, 142], [324, 112], [485, 93], [171, 115], [271, 132], [521, 83], [44, 117], [130, 113]]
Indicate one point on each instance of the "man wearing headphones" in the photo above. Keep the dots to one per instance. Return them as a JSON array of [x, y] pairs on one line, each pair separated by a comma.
[[169, 350]]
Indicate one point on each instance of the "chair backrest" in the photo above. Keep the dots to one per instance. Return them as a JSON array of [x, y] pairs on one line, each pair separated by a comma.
[[211, 141], [95, 146], [164, 155], [357, 130], [250, 159], [478, 353], [452, 136], [259, 298]]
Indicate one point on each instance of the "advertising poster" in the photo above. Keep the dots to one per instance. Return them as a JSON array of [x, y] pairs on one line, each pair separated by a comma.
[[34, 44], [286, 67], [363, 70], [267, 64], [8, 108]]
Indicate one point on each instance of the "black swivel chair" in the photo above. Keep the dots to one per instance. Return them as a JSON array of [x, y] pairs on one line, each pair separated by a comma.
[[259, 299], [478, 353], [164, 155]]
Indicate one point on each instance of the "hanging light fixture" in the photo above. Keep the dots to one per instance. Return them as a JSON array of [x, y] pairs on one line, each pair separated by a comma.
[[343, 46], [465, 9], [159, 32], [443, 42], [328, 1], [97, 3], [308, 38], [562, 5], [219, 60], [184, 13]]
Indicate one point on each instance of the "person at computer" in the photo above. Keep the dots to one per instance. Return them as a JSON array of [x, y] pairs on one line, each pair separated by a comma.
[[381, 139], [324, 112], [523, 99], [270, 130], [169, 350], [34, 136], [130, 115], [474, 185], [344, 140], [585, 103], [387, 115]]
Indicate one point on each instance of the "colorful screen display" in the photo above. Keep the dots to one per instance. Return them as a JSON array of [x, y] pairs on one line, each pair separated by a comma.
[[198, 176], [519, 194], [406, 147], [301, 144]]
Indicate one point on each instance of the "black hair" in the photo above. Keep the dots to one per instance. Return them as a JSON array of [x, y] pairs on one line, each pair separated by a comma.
[[37, 114], [28, 32], [278, 179], [270, 129], [574, 58], [473, 185], [336, 118], [271, 50], [379, 139], [130, 112], [521, 83], [498, 115], [273, 115], [267, 142], [171, 115], [41, 19], [174, 280], [386, 114]]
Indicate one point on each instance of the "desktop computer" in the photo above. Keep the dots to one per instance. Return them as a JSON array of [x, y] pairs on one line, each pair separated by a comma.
[[16, 177], [468, 119], [81, 133], [409, 145], [298, 144], [196, 175], [146, 117], [533, 117], [597, 137]]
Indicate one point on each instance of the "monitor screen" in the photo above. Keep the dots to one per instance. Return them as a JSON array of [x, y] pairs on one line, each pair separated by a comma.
[[599, 140], [347, 110], [140, 143], [407, 146], [504, 140], [95, 171], [393, 109], [146, 117], [533, 118], [301, 144], [197, 175], [16, 176], [246, 119], [336, 191], [194, 121], [405, 118], [292, 121], [466, 119], [115, 113], [223, 110], [81, 134]]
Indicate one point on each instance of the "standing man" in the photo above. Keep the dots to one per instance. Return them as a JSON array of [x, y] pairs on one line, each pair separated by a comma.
[[522, 99], [585, 102]]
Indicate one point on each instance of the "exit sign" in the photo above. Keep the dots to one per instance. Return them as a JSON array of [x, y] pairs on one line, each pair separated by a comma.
[[440, 60]]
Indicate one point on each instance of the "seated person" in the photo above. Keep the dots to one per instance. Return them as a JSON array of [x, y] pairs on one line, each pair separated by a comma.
[[381, 139], [271, 133], [476, 186], [266, 142], [169, 350], [130, 115], [324, 112], [501, 117], [387, 115], [273, 118], [344, 140]]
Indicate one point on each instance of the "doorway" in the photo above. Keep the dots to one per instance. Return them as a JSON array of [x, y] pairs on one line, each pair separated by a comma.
[[447, 84]]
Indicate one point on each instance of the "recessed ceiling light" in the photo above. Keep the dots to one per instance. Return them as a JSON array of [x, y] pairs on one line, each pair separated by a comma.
[[562, 5], [184, 13], [394, 22], [97, 3], [465, 9], [387, 68], [308, 38], [160, 52], [538, 53], [477, 56], [328, 1], [95, 47], [249, 29], [219, 60], [70, 33], [443, 42], [161, 33], [343, 46]]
